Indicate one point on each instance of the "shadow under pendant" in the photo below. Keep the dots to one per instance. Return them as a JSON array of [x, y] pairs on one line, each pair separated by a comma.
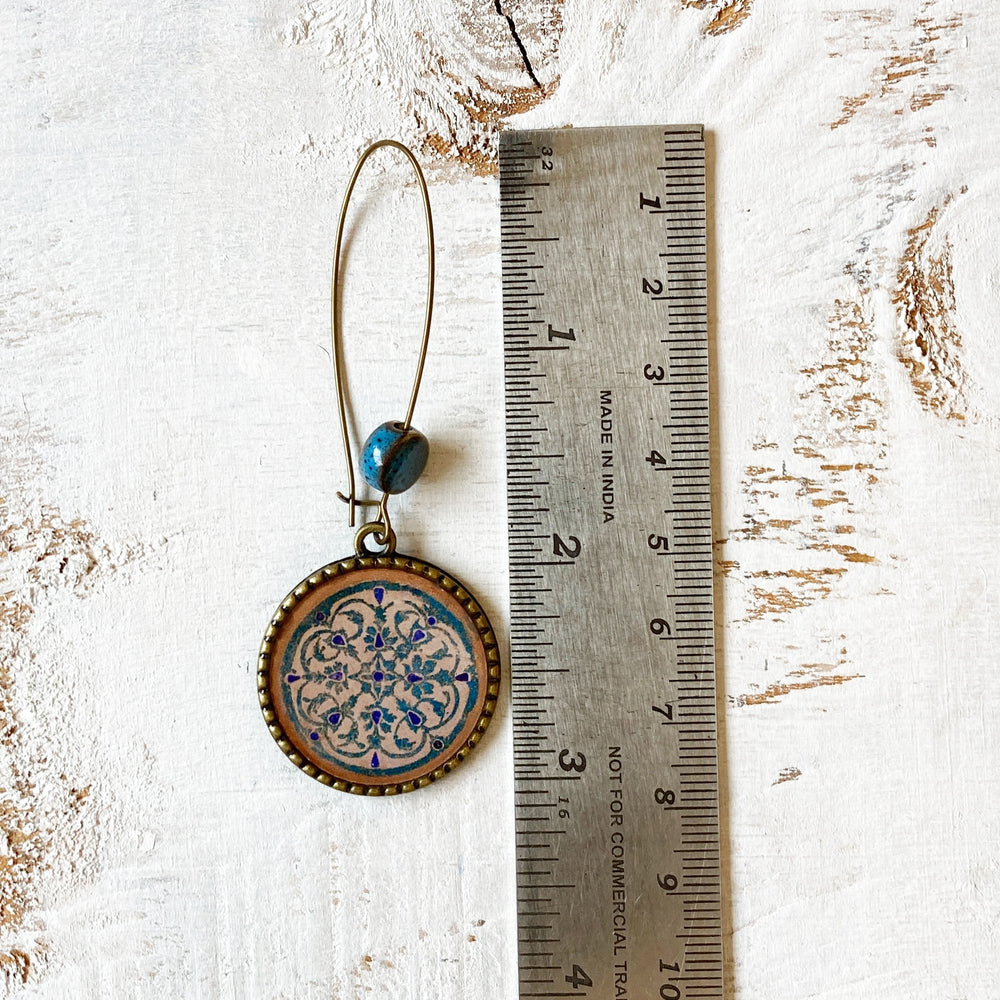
[[378, 674]]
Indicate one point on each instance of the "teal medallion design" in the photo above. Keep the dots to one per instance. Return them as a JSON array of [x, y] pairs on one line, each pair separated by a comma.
[[381, 676], [378, 673]]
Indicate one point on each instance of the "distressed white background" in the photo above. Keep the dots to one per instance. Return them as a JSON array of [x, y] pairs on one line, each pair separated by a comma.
[[169, 181]]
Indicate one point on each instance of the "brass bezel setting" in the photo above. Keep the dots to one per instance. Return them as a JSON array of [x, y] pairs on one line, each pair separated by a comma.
[[436, 576]]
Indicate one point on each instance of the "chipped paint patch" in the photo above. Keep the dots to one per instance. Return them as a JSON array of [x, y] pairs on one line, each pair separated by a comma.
[[805, 525], [836, 457], [903, 81], [613, 31], [727, 566], [807, 678], [799, 588], [727, 15], [775, 692], [482, 79], [49, 831], [930, 345], [41, 810], [453, 75], [787, 774]]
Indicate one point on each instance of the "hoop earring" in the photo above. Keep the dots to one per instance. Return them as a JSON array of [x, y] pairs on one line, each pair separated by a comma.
[[380, 672]]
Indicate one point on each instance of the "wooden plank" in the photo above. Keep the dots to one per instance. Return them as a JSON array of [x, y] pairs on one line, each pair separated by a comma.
[[170, 179]]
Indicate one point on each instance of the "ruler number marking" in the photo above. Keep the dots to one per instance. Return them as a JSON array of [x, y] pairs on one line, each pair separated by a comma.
[[659, 544], [561, 334], [668, 883], [578, 978], [660, 625], [570, 761], [561, 548], [666, 710], [668, 990], [664, 797]]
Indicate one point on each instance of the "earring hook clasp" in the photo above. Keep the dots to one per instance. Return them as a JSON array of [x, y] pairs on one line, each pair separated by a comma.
[[336, 334]]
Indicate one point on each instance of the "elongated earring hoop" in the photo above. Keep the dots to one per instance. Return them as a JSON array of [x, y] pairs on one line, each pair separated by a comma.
[[379, 672], [394, 455]]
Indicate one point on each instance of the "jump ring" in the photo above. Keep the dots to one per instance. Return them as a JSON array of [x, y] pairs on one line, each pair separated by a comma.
[[384, 535]]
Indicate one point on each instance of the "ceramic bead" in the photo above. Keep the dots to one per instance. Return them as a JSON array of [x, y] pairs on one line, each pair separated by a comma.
[[393, 457]]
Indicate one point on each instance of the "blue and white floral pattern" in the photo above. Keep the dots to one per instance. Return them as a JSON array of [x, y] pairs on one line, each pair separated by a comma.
[[380, 678]]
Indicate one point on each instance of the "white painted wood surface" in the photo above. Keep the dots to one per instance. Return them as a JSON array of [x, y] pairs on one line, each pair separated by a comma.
[[169, 181]]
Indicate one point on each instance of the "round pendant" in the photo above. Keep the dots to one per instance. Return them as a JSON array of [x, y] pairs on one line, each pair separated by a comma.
[[378, 674]]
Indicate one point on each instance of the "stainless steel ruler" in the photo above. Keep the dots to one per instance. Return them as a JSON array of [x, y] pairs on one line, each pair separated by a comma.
[[609, 500]]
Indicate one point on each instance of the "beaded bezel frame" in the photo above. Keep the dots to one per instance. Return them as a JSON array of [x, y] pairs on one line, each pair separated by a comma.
[[437, 578]]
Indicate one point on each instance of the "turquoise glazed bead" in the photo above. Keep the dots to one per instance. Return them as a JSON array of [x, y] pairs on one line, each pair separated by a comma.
[[393, 457]]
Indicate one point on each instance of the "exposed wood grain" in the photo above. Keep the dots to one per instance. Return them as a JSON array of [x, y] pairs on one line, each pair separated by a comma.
[[931, 346], [461, 74], [787, 774], [48, 820], [814, 675], [909, 73], [727, 15], [818, 497]]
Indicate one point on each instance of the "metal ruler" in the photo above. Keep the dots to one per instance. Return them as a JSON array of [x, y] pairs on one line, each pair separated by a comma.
[[609, 508]]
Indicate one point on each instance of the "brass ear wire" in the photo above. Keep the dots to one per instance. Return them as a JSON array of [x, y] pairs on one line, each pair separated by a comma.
[[385, 533]]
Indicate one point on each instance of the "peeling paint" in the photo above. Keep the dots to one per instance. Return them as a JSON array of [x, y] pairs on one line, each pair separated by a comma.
[[787, 774], [809, 498], [481, 88], [775, 692], [48, 826], [930, 345], [840, 419], [26, 301], [810, 585], [899, 80], [613, 32], [461, 75], [727, 15]]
